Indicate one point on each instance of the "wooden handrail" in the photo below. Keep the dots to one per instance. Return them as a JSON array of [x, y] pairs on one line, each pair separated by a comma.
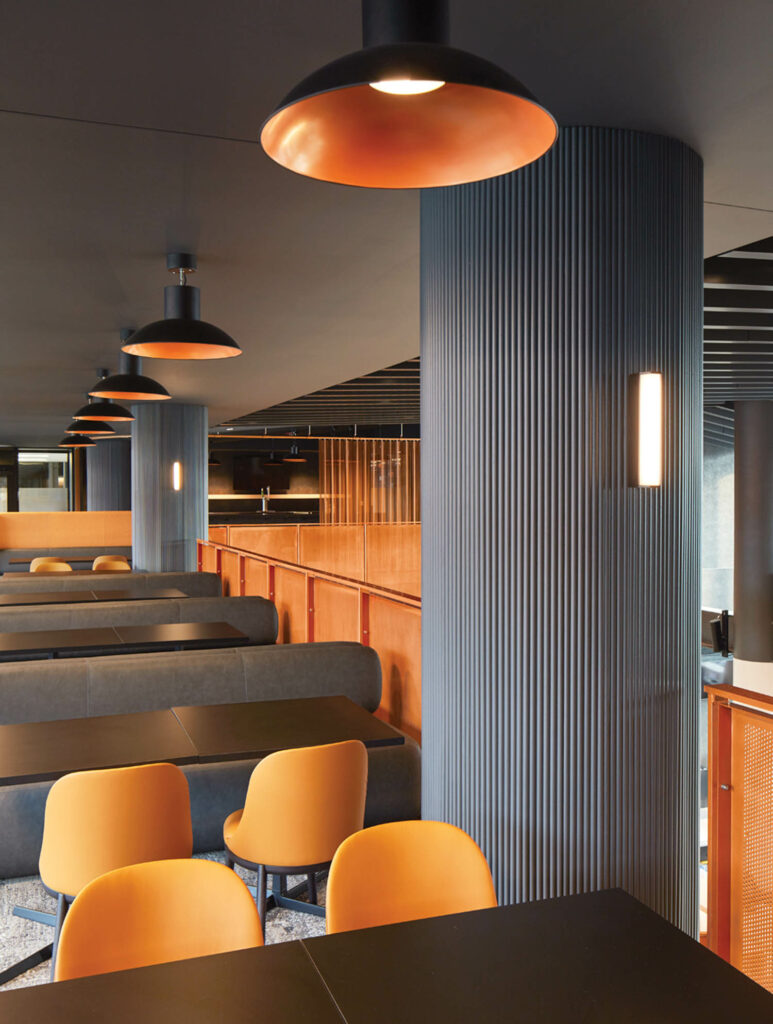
[[737, 695], [362, 585]]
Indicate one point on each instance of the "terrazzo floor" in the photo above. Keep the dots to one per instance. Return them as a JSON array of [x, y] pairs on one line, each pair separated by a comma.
[[20, 938]]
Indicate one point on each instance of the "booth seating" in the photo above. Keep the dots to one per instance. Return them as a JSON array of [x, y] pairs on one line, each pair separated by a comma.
[[7, 554], [81, 687], [254, 616], [195, 584]]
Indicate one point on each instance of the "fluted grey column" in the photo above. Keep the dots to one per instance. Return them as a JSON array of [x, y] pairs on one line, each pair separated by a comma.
[[108, 475], [166, 523], [560, 607], [753, 555]]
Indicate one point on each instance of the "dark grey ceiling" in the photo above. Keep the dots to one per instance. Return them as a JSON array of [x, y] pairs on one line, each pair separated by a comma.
[[130, 129], [738, 324]]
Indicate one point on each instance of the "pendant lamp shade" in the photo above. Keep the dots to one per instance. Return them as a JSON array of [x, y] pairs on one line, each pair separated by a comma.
[[107, 412], [182, 334], [77, 441], [90, 427], [407, 111], [294, 455], [129, 385], [273, 460]]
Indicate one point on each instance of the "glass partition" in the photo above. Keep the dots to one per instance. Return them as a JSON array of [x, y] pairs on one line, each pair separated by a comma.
[[44, 479]]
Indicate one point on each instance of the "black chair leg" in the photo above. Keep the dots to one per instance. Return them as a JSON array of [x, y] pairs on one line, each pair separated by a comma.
[[61, 911], [312, 888], [261, 887], [229, 861]]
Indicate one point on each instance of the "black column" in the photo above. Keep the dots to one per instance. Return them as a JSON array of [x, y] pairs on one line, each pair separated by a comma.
[[560, 607]]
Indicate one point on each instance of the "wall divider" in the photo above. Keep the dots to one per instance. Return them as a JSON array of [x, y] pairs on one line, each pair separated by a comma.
[[314, 606]]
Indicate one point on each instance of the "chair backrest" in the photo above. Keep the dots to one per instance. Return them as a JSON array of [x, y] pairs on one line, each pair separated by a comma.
[[101, 820], [49, 565], [112, 565], [314, 797], [154, 913], [42, 559], [403, 871], [100, 559]]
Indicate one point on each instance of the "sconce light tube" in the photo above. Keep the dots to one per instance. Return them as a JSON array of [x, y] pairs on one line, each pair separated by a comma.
[[177, 476], [645, 430]]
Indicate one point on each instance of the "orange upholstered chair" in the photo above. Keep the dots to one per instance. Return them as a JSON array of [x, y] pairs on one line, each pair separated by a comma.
[[102, 559], [403, 871], [49, 564], [301, 804], [101, 820], [153, 913], [110, 564]]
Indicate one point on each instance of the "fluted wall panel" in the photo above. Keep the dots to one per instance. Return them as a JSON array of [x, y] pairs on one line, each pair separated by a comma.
[[166, 523], [560, 632], [108, 476]]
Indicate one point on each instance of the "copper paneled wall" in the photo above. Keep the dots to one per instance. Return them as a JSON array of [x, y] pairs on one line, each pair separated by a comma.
[[369, 480], [560, 632]]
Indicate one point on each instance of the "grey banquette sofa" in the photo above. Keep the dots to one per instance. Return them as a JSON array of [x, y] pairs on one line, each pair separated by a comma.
[[254, 616], [33, 691], [195, 584]]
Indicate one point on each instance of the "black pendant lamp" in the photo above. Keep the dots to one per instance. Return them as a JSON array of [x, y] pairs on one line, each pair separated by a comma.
[[77, 441], [106, 412], [213, 460], [182, 334], [273, 460], [407, 111], [94, 428], [294, 455], [129, 385]]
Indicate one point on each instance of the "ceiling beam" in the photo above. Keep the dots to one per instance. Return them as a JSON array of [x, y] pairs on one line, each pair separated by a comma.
[[738, 321], [732, 299], [723, 273]]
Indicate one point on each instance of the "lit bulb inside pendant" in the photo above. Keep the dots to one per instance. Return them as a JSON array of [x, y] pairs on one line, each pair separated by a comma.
[[406, 86]]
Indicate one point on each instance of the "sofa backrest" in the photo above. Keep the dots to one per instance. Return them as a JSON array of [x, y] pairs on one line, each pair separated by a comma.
[[254, 616], [80, 687], [195, 584]]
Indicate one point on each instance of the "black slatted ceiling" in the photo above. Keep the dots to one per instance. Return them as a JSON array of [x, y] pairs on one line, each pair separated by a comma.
[[738, 325]]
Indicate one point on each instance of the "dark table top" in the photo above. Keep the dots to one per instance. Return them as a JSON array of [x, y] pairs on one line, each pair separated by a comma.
[[97, 638], [161, 594], [596, 959], [37, 751], [222, 732], [50, 597], [603, 957], [85, 596], [271, 985]]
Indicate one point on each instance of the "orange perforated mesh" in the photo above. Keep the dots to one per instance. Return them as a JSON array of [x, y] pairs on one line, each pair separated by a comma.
[[755, 884]]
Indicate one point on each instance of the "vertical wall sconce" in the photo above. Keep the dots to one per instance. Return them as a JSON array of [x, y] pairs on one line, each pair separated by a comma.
[[177, 476], [645, 430]]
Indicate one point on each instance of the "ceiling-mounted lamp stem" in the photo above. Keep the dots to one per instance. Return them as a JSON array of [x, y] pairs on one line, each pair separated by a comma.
[[404, 21]]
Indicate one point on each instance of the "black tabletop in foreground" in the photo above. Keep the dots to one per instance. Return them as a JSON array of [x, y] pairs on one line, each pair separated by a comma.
[[602, 958], [596, 959], [86, 596], [223, 732], [40, 751], [104, 639], [270, 985]]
